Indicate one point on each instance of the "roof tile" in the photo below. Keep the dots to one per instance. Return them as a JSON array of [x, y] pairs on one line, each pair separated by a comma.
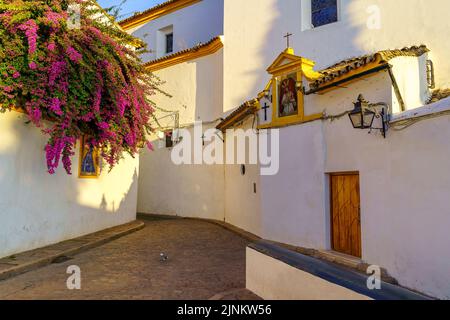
[[341, 68]]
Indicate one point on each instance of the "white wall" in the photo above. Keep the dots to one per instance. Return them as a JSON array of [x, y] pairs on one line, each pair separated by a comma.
[[37, 209], [194, 191], [292, 201], [404, 187], [195, 88], [186, 190], [272, 279], [289, 206], [253, 46], [405, 184], [242, 204], [197, 23], [404, 180], [411, 77]]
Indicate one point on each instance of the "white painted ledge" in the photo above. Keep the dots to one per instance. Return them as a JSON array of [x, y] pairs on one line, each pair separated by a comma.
[[436, 107], [272, 279]]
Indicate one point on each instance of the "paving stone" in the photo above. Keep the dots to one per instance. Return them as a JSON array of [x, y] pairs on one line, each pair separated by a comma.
[[204, 260], [30, 260]]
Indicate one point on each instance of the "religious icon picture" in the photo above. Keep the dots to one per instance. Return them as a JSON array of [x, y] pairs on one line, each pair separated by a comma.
[[287, 96], [89, 160]]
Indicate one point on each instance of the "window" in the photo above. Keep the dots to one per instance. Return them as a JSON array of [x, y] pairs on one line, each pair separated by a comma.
[[323, 12], [169, 43], [165, 41], [169, 140]]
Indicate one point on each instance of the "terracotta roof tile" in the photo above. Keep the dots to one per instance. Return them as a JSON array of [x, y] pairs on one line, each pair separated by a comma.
[[439, 95], [246, 109], [341, 68]]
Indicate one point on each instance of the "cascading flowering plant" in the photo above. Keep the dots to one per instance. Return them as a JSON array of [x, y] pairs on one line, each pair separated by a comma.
[[72, 82]]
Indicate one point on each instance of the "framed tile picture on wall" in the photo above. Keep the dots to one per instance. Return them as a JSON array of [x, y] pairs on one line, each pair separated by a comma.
[[90, 160], [287, 96]]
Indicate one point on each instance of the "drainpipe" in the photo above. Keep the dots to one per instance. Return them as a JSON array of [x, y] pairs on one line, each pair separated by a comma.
[[398, 94]]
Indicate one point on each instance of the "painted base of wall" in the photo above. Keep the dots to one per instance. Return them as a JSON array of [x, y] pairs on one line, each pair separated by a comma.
[[272, 279]]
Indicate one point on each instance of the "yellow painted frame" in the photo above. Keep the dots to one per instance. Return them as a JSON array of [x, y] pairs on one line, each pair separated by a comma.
[[276, 119], [96, 155], [300, 67]]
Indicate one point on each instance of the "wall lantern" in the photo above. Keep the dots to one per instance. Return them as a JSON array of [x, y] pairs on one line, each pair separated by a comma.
[[364, 114]]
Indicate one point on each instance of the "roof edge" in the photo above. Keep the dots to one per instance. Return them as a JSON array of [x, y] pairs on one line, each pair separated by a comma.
[[201, 50], [155, 12], [240, 114], [349, 67]]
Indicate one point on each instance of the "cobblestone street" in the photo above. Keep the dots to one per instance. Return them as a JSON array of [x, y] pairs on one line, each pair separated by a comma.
[[205, 261]]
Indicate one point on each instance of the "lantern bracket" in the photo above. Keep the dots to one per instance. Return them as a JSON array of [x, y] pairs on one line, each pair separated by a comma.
[[364, 113]]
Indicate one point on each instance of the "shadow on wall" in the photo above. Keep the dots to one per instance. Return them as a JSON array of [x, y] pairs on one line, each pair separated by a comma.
[[186, 190], [38, 209], [115, 206], [322, 45], [364, 27]]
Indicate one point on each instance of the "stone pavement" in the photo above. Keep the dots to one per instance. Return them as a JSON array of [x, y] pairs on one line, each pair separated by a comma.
[[204, 261], [34, 259]]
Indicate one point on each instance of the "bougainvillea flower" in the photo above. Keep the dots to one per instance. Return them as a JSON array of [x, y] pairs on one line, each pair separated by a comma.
[[86, 81]]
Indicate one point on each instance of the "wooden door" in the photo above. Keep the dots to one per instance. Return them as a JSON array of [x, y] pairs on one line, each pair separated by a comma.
[[346, 214]]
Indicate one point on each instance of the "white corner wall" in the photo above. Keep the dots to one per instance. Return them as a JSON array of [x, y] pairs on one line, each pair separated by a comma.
[[196, 23], [289, 206], [185, 190], [195, 89], [411, 76], [242, 203], [37, 209], [292, 202]]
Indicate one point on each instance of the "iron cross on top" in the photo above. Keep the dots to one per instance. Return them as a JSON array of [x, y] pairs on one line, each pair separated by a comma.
[[287, 36]]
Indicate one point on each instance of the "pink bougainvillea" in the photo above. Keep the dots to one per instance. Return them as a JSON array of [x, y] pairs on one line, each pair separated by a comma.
[[85, 82], [32, 65], [73, 55], [30, 28]]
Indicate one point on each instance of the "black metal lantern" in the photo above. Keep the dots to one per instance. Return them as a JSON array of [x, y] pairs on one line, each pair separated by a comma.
[[361, 116]]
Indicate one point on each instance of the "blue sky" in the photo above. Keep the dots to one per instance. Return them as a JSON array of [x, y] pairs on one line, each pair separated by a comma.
[[130, 6]]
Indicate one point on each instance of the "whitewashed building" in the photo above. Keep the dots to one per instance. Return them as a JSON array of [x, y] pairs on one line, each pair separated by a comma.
[[338, 189]]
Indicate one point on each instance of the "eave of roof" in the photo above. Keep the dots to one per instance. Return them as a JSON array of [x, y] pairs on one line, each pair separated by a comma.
[[349, 68], [438, 95], [242, 112], [155, 13], [198, 51]]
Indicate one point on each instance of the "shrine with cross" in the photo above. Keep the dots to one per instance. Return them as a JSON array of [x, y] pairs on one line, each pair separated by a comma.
[[281, 103]]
